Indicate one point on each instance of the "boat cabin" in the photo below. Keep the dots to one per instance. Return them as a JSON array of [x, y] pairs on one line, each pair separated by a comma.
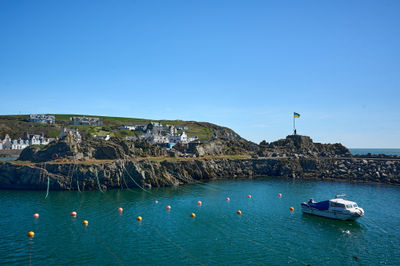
[[342, 204]]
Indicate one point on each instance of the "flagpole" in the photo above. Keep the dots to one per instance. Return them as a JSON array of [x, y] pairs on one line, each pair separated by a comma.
[[294, 124]]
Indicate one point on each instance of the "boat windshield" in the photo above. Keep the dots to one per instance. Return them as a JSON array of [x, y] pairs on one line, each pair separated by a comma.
[[355, 205], [349, 206], [338, 205]]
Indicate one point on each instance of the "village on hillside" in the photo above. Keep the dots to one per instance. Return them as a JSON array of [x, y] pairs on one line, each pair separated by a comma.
[[153, 132]]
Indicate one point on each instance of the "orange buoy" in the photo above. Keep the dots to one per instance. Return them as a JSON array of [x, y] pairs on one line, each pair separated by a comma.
[[239, 212], [279, 195], [249, 196], [120, 209], [31, 234], [85, 222], [199, 203], [192, 215], [228, 199], [139, 218], [168, 207], [73, 214], [36, 215], [291, 209]]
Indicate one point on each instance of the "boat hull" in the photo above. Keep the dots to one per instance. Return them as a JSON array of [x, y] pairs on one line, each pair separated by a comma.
[[330, 214]]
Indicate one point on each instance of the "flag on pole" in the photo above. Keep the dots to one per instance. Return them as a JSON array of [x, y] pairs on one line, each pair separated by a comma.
[[296, 115]]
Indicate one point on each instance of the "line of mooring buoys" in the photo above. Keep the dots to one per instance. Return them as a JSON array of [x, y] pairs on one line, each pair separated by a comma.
[[31, 234]]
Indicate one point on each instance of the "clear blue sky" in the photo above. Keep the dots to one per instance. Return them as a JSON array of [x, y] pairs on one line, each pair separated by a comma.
[[247, 65]]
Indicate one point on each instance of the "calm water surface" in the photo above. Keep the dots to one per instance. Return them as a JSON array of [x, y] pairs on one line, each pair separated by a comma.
[[266, 233]]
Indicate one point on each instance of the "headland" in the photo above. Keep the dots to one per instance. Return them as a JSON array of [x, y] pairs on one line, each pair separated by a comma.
[[162, 155]]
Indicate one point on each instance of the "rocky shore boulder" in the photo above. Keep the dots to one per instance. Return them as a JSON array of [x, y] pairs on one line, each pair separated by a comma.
[[55, 150]]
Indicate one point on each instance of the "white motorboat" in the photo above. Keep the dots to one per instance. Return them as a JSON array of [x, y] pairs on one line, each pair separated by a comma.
[[337, 208]]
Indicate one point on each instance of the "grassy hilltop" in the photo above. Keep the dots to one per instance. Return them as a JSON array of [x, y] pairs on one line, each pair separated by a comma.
[[16, 125]]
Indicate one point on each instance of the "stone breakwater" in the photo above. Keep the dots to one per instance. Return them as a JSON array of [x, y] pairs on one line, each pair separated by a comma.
[[147, 174]]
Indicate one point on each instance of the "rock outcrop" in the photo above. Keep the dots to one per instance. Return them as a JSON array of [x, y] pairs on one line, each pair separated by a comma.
[[303, 146]]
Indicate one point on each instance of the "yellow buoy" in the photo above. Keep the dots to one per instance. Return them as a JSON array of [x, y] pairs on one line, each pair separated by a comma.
[[139, 218], [291, 209], [85, 222], [31, 234], [192, 214], [239, 212]]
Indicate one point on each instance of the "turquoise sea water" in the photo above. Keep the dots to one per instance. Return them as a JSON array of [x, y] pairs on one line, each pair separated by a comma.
[[375, 151], [266, 233], [7, 159]]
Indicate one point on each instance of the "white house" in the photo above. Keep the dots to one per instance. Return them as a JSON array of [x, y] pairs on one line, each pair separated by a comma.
[[178, 138], [184, 137], [18, 145], [69, 131], [131, 128], [34, 140], [159, 139], [190, 139]]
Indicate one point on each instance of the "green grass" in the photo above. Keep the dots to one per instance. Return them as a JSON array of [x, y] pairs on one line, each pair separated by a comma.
[[202, 132], [53, 134]]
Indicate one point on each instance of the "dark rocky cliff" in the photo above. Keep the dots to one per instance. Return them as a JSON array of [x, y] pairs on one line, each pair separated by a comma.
[[128, 174]]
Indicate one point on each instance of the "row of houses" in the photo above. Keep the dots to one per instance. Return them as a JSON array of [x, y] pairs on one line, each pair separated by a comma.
[[157, 133], [154, 127], [46, 119], [76, 120], [19, 144], [86, 121]]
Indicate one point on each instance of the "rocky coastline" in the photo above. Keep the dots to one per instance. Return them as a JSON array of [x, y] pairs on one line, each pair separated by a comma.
[[120, 174], [116, 164]]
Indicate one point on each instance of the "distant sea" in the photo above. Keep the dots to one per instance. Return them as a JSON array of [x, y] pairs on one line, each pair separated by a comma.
[[376, 151], [7, 159]]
